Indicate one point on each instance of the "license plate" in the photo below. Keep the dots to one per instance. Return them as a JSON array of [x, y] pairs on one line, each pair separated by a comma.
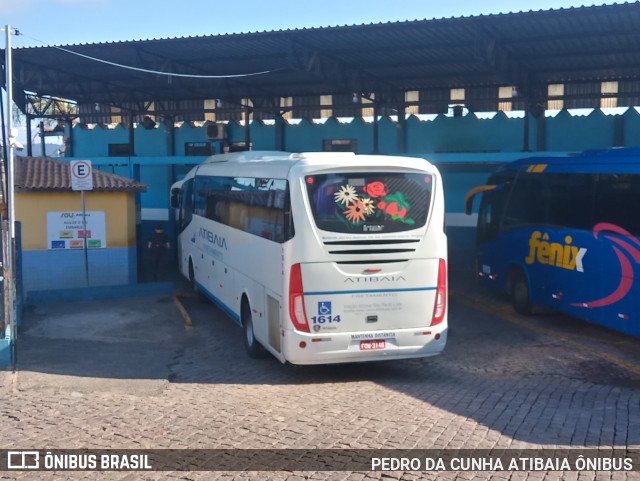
[[372, 345]]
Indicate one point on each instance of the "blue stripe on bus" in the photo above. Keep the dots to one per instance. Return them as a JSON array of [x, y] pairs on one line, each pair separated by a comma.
[[369, 291], [221, 304]]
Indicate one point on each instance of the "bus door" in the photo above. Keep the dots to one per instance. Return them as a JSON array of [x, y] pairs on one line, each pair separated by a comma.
[[185, 215]]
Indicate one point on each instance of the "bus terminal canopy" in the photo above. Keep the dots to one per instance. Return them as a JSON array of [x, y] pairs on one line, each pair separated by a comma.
[[578, 47]]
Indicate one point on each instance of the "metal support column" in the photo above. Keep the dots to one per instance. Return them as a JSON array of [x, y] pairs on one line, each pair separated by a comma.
[[279, 131], [171, 130], [402, 129], [43, 147], [525, 134], [131, 135], [247, 128], [68, 140], [376, 133], [29, 141]]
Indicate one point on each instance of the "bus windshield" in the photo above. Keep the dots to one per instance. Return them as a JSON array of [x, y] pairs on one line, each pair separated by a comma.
[[369, 202]]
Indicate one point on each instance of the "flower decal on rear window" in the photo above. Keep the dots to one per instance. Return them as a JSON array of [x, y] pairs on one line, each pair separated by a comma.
[[375, 190], [370, 203], [346, 195]]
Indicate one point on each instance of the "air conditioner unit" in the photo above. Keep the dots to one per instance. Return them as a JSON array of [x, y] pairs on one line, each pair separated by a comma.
[[216, 131]]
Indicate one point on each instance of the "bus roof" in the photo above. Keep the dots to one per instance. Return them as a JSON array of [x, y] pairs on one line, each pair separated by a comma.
[[248, 156], [617, 160], [277, 164]]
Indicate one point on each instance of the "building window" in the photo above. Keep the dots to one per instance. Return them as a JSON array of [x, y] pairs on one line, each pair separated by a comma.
[[553, 92], [199, 149], [210, 104], [339, 145], [116, 114], [248, 103], [505, 94], [457, 95], [456, 105], [410, 97], [238, 147], [367, 111], [609, 92], [326, 100], [119, 150], [287, 103]]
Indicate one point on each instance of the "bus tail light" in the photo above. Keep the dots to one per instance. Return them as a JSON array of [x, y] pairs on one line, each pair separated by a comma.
[[441, 294], [296, 300]]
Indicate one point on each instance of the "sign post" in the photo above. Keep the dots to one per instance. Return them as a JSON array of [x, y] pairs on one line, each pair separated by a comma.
[[9, 251], [82, 179]]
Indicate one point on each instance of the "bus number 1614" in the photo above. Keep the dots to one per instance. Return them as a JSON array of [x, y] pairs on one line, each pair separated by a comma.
[[325, 319]]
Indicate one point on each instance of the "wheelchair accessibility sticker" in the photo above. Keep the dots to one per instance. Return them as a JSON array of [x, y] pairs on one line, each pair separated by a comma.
[[325, 317], [324, 308]]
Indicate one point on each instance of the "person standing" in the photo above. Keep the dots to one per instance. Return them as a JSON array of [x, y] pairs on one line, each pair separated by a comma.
[[158, 244]]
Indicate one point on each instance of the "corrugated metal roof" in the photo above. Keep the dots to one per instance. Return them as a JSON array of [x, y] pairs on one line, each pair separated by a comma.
[[47, 174], [525, 49]]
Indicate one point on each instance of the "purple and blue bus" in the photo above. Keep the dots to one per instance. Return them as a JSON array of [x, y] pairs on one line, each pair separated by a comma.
[[564, 232]]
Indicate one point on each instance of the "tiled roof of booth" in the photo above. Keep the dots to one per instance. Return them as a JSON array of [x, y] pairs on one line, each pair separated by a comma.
[[47, 174]]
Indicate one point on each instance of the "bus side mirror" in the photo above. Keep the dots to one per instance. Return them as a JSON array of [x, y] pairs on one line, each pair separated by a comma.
[[468, 199], [175, 198]]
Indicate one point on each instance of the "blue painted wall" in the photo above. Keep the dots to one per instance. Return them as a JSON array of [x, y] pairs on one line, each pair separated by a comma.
[[107, 267], [631, 127], [465, 134], [593, 131], [151, 142], [88, 143], [439, 134], [460, 145]]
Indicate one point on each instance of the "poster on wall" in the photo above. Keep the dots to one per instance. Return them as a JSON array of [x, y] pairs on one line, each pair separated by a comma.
[[66, 230]]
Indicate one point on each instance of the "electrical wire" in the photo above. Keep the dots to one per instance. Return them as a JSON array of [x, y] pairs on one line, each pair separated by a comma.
[[144, 70]]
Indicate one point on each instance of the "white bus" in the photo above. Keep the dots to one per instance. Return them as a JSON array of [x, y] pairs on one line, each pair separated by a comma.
[[320, 257]]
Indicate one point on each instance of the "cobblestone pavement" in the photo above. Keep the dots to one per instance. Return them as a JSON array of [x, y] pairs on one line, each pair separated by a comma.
[[129, 374]]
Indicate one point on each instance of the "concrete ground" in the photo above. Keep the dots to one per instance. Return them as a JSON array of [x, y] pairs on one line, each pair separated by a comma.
[[129, 373]]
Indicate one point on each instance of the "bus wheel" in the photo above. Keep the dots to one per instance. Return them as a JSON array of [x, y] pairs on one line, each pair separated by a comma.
[[252, 346], [520, 294]]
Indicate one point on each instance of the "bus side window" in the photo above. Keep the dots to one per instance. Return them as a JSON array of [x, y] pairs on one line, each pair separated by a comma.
[[618, 200], [569, 200], [525, 206]]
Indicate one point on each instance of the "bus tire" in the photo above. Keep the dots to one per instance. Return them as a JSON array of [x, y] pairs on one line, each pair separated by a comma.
[[251, 344], [520, 293]]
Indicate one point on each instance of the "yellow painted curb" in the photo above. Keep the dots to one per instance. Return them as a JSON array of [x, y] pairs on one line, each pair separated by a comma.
[[183, 311]]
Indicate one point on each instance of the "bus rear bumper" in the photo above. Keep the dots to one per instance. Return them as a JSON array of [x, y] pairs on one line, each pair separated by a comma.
[[304, 348]]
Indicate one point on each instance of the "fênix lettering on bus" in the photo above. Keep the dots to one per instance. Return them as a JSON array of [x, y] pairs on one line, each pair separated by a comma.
[[213, 238], [564, 255]]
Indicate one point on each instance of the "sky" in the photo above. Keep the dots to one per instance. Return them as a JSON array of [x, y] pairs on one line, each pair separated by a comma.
[[66, 22]]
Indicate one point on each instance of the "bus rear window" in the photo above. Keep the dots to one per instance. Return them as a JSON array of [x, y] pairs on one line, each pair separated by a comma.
[[371, 202]]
